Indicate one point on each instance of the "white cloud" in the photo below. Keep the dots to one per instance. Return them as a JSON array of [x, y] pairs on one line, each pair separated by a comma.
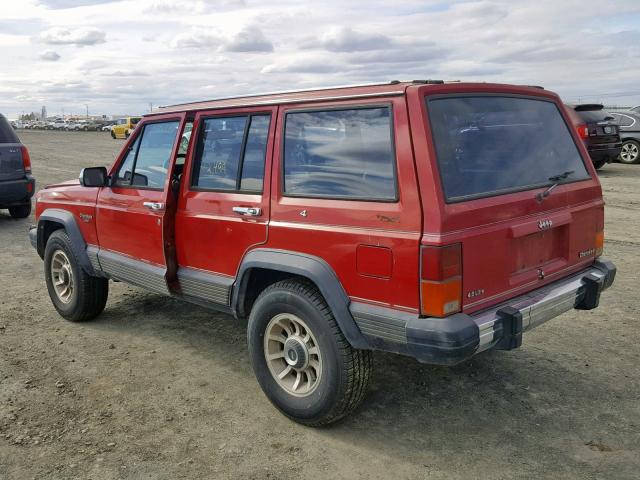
[[167, 51], [78, 36], [49, 55]]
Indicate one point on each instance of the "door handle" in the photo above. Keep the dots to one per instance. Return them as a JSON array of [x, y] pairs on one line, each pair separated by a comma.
[[248, 211], [155, 206]]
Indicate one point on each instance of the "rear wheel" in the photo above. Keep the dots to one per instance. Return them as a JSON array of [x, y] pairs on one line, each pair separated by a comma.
[[20, 211], [302, 361], [76, 295], [630, 152]]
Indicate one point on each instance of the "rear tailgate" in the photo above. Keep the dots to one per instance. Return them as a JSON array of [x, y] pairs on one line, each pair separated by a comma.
[[496, 151], [11, 166]]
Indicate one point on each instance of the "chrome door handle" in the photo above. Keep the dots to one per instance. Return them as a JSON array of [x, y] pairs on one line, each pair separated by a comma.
[[155, 206], [248, 211]]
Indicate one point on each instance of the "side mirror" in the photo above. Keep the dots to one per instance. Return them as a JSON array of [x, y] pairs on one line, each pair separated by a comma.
[[94, 177]]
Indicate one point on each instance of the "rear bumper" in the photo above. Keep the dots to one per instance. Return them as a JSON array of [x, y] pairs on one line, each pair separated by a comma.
[[606, 152], [16, 192], [457, 338]]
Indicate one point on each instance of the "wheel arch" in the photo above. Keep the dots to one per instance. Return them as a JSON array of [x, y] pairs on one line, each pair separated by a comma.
[[267, 266], [53, 219]]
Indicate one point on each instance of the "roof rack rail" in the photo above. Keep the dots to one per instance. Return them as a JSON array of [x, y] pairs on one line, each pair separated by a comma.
[[428, 82]]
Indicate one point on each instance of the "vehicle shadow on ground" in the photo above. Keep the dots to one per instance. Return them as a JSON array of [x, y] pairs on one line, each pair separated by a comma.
[[497, 398]]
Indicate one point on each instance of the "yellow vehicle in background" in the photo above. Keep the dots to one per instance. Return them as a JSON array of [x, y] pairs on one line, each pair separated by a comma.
[[124, 127]]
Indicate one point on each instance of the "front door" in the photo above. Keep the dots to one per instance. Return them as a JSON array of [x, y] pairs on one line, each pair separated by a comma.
[[223, 210], [131, 216]]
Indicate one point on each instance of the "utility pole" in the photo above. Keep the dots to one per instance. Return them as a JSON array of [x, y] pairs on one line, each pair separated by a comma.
[[87, 105], [150, 107]]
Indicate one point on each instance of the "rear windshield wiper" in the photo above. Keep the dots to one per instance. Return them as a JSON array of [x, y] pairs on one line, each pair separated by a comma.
[[556, 179]]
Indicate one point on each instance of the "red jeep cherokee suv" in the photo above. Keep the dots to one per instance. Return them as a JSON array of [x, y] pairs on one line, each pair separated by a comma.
[[424, 218]]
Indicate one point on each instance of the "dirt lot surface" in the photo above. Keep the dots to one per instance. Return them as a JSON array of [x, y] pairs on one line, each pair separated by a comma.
[[158, 389]]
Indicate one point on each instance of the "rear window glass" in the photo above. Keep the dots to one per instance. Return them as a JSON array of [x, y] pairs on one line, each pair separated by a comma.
[[593, 115], [488, 145], [7, 135], [340, 154]]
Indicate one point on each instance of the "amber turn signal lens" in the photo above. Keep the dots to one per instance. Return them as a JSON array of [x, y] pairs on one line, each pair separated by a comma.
[[440, 299], [599, 243]]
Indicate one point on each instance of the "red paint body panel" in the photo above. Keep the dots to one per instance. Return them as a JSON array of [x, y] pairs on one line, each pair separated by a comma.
[[209, 235], [373, 247]]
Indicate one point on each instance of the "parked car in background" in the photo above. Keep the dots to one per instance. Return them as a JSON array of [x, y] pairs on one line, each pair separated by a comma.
[[16, 183], [599, 132], [124, 127], [107, 128], [60, 125], [336, 226], [629, 128]]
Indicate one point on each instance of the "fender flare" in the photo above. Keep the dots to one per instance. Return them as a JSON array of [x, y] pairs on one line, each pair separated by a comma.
[[68, 222], [311, 267]]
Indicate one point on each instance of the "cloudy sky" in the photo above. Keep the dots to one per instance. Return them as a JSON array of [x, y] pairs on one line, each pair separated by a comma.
[[120, 56]]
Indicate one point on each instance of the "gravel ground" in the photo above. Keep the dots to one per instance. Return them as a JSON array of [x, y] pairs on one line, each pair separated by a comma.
[[155, 388]]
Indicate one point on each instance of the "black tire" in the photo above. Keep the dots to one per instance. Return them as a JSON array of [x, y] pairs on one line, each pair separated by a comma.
[[20, 211], [90, 293], [346, 371], [599, 164], [630, 153], [113, 135]]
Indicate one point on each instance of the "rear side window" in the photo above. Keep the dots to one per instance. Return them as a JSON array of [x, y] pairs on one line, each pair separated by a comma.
[[7, 135], [231, 153], [488, 145], [340, 154], [624, 120]]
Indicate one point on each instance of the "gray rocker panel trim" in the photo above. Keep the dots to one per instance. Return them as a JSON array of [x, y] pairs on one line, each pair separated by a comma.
[[311, 267], [381, 322], [68, 222], [129, 270], [210, 287]]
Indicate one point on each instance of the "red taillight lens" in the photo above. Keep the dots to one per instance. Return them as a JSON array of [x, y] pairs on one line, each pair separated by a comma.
[[441, 280], [26, 159], [583, 131]]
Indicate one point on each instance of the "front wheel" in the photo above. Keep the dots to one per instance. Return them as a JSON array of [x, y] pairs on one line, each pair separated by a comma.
[[20, 211], [113, 135], [630, 152], [599, 164], [76, 295], [301, 359]]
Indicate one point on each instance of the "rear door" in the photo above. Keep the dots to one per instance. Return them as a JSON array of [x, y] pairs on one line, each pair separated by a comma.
[[133, 223], [223, 209], [512, 187]]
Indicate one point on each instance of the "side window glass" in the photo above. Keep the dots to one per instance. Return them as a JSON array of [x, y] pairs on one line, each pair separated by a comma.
[[340, 154], [254, 154], [154, 154], [147, 163], [125, 172]]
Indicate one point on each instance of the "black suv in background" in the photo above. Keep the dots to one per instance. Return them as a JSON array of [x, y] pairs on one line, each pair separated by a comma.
[[599, 132], [629, 126], [16, 183]]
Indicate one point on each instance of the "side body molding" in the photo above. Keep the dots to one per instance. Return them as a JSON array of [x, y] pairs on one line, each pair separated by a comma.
[[68, 222], [311, 267]]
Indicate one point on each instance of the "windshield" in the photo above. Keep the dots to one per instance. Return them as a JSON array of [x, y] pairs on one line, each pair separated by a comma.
[[490, 145]]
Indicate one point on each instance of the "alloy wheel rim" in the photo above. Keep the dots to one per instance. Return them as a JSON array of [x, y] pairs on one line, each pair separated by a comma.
[[62, 276], [292, 355], [629, 152]]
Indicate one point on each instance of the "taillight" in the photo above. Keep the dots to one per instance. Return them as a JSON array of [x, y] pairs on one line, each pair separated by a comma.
[[441, 280], [26, 159], [599, 242], [583, 131]]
